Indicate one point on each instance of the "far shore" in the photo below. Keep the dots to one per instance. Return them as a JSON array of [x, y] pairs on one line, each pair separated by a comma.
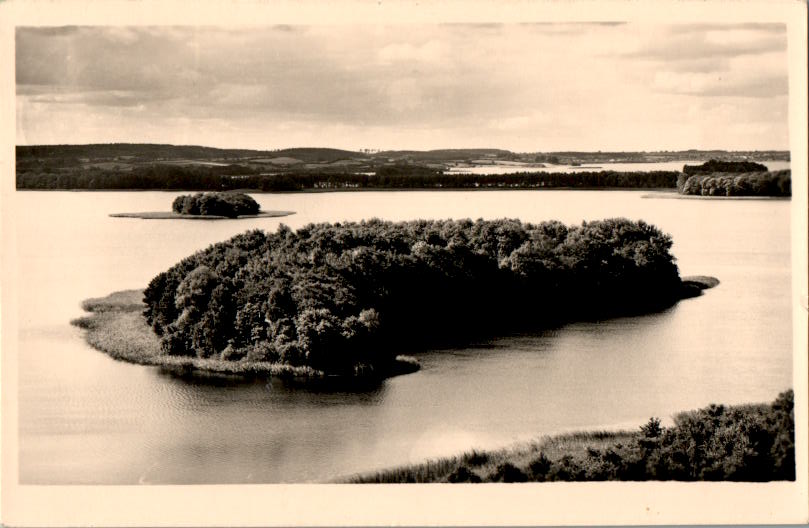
[[374, 189], [160, 215]]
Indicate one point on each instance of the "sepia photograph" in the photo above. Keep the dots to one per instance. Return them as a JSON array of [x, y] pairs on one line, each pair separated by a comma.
[[404, 264]]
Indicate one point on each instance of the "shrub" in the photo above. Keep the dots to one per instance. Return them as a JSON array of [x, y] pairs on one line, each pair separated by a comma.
[[508, 472], [463, 474]]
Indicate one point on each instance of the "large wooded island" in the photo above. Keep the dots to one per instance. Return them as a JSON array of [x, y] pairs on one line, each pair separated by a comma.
[[347, 299]]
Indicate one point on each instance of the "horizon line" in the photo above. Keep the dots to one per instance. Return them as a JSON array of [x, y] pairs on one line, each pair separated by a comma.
[[378, 150]]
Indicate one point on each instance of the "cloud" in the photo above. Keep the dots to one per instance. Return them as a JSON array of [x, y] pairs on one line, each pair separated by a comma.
[[430, 52], [696, 43], [400, 86], [719, 85], [110, 98]]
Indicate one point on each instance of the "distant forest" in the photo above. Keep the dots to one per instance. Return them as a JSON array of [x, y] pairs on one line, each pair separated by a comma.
[[237, 177]]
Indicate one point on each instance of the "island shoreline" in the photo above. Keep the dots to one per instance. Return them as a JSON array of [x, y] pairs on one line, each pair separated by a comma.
[[159, 215], [115, 326]]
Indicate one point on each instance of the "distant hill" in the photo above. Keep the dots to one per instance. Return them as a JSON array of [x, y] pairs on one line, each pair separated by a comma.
[[155, 152], [136, 150], [316, 155], [444, 154]]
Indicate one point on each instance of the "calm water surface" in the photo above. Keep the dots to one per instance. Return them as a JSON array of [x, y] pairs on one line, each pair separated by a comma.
[[85, 418]]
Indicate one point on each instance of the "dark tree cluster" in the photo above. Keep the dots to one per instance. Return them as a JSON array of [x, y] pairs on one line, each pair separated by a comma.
[[753, 444], [712, 166], [229, 204], [777, 183], [346, 298]]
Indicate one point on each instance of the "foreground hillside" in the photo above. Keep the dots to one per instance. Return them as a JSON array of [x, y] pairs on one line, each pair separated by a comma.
[[741, 443]]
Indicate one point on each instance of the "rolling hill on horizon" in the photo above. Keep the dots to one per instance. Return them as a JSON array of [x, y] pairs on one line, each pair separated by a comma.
[[156, 151], [166, 152]]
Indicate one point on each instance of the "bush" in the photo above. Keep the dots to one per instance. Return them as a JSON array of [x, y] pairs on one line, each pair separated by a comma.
[[507, 472], [463, 474]]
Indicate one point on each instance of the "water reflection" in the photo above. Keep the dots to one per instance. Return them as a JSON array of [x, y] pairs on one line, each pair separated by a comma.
[[330, 390]]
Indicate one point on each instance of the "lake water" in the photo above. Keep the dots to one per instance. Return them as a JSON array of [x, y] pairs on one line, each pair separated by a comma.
[[87, 419], [588, 167]]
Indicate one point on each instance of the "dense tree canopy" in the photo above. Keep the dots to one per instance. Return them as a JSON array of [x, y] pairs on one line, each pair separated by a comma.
[[711, 166], [348, 297], [777, 183], [734, 178], [228, 204]]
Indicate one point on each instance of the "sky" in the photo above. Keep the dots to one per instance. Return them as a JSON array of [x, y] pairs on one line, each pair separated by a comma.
[[523, 87]]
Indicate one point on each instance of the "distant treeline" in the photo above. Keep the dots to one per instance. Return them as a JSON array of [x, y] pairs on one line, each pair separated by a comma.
[[197, 178], [345, 298], [228, 204]]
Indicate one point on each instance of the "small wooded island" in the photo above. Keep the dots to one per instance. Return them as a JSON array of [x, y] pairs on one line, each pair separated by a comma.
[[347, 299], [210, 205], [734, 178]]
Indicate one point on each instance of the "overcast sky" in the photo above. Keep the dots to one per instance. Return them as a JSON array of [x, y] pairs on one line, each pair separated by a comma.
[[526, 87]]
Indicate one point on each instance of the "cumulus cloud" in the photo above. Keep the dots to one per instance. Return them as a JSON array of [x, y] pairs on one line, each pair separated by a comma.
[[719, 84], [696, 43], [520, 86]]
